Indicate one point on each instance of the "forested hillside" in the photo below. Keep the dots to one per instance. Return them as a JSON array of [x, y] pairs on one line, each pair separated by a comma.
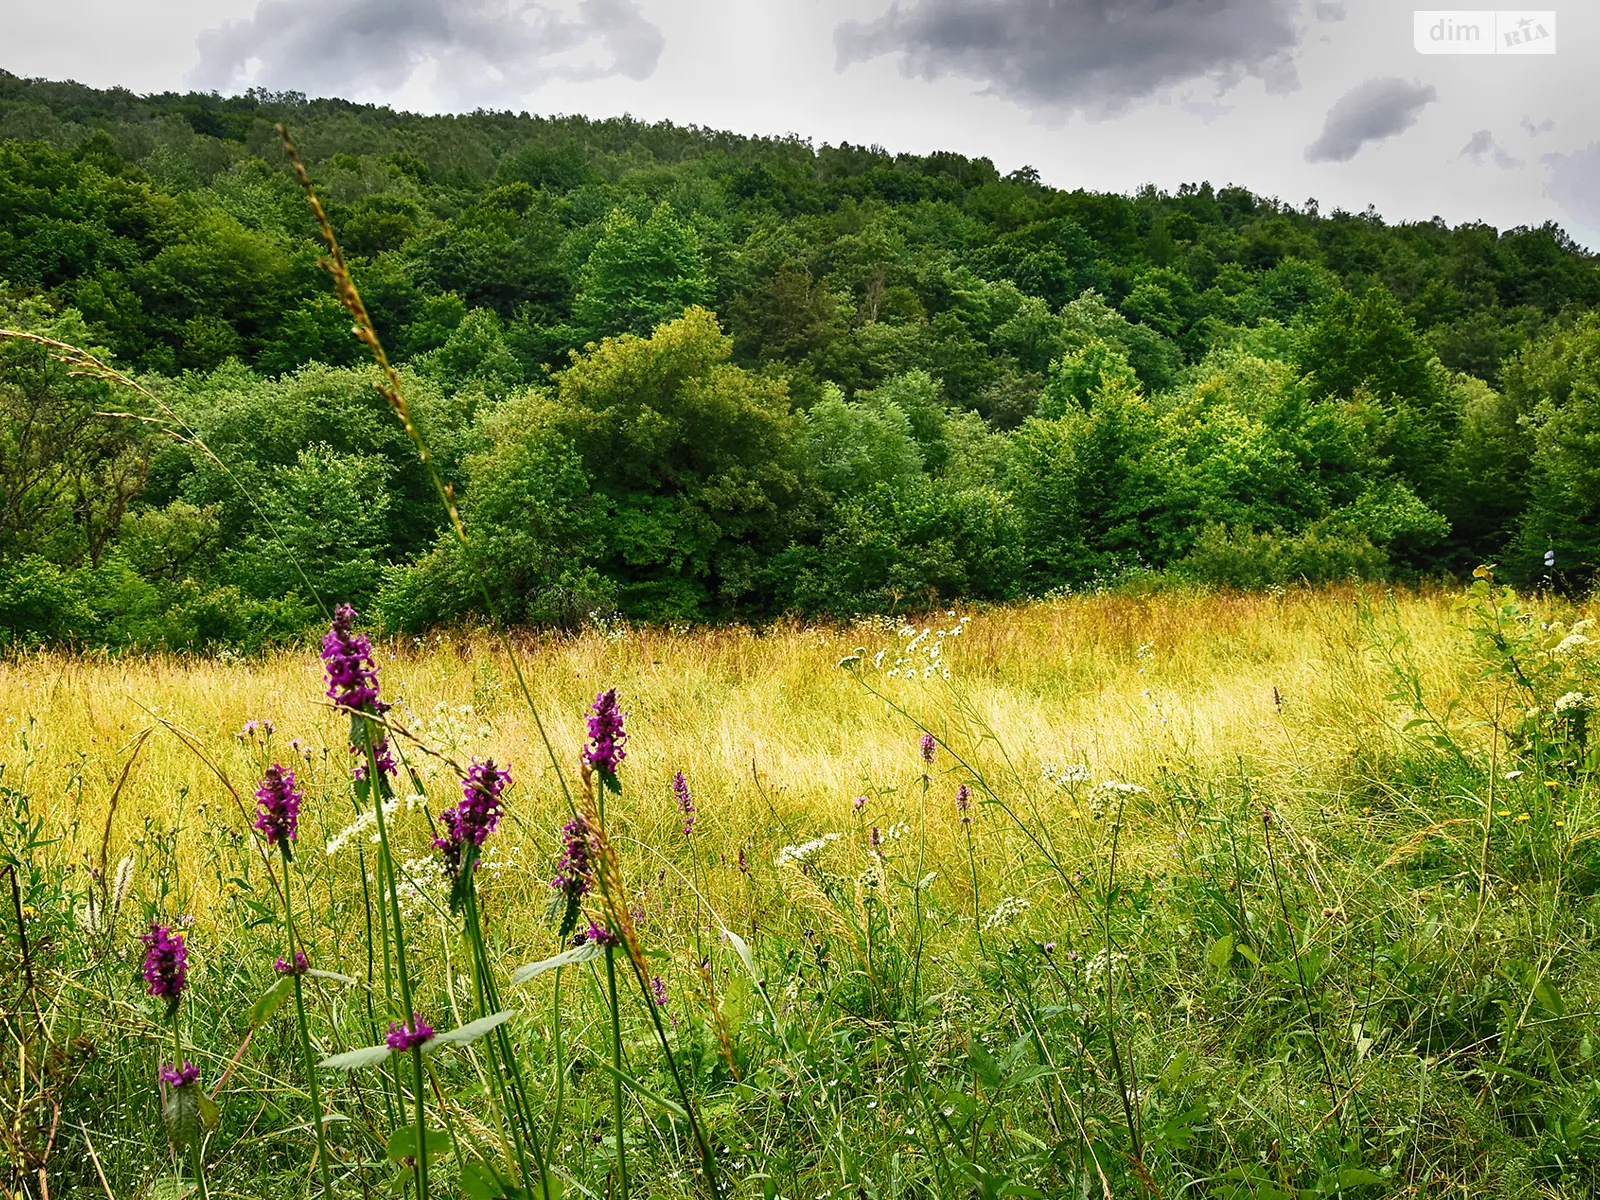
[[682, 375]]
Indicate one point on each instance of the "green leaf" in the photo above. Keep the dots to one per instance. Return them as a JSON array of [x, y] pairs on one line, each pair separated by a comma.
[[742, 950], [1221, 952], [479, 1181], [471, 1031], [269, 1002], [986, 1066], [403, 1143], [350, 1060], [182, 1113], [1549, 999], [1355, 1177], [331, 976], [566, 958], [1249, 955]]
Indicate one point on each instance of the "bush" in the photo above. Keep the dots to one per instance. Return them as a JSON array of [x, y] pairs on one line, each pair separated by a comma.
[[1229, 556]]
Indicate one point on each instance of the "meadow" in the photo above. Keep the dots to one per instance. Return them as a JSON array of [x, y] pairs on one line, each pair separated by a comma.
[[1278, 895]]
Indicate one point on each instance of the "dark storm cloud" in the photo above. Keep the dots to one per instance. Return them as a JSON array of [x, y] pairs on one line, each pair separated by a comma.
[[481, 48], [1575, 185], [1369, 112], [1094, 56], [1482, 145]]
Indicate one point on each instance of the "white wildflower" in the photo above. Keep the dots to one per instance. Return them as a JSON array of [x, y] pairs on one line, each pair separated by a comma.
[[791, 855], [1005, 912], [1572, 643], [1572, 702], [1093, 968], [1114, 786]]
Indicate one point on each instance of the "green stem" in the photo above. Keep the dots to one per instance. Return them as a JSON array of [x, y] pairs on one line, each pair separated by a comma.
[[376, 787], [305, 1032], [616, 1062], [555, 1032]]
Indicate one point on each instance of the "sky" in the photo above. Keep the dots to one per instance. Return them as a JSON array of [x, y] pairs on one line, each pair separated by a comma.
[[1298, 99]]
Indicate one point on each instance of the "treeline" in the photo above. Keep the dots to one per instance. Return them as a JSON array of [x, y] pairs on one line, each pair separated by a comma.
[[682, 375]]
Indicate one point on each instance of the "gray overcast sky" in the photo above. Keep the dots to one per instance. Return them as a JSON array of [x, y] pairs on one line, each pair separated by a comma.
[[1294, 98]]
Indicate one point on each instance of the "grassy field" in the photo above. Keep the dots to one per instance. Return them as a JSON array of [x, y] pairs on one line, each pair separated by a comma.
[[1271, 895]]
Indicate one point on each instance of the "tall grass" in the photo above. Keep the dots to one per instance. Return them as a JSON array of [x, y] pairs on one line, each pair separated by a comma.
[[1384, 985], [1227, 855]]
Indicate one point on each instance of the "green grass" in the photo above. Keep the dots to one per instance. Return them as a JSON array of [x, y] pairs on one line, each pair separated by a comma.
[[1347, 954]]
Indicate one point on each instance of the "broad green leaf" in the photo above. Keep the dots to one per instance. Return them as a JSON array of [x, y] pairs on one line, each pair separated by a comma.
[[566, 958], [988, 1070], [403, 1143], [1221, 952], [471, 1031], [182, 1113], [269, 1001], [479, 1181], [350, 1060], [742, 950]]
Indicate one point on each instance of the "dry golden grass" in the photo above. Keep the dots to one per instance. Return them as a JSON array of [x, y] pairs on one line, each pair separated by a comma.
[[776, 739]]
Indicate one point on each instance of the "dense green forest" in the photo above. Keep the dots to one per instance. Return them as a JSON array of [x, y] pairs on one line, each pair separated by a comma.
[[679, 375]]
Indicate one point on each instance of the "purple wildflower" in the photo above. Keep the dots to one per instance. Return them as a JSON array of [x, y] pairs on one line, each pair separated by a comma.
[[253, 727], [964, 804], [166, 963], [658, 991], [575, 871], [278, 806], [347, 657], [300, 967], [927, 748], [744, 863], [175, 1076], [475, 818], [353, 683], [875, 841], [858, 804], [598, 935], [607, 738], [402, 1037], [680, 789]]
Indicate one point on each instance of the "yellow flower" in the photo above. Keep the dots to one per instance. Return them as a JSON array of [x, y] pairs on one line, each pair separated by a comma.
[[1523, 817], [1504, 812]]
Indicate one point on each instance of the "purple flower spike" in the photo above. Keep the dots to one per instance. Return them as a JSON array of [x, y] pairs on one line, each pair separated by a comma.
[[658, 991], [300, 967], [575, 871], [598, 935], [607, 738], [347, 657], [166, 963], [353, 684], [964, 804], [403, 1037], [680, 789], [927, 748], [278, 806], [475, 818], [175, 1076]]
